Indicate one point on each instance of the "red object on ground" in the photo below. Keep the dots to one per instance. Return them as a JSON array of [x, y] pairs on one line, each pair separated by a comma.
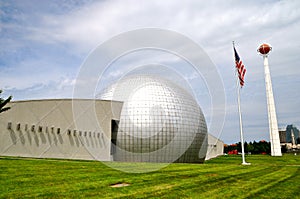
[[233, 152], [264, 49]]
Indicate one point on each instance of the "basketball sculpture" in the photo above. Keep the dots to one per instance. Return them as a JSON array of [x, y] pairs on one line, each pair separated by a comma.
[[264, 49]]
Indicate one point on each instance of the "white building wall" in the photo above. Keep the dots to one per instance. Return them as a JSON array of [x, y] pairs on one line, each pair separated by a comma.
[[53, 129], [215, 147]]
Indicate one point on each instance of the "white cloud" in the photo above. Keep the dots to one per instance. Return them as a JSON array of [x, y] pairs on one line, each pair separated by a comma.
[[61, 88]]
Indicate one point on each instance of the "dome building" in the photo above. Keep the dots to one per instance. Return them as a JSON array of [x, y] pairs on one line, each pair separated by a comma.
[[159, 122], [141, 118]]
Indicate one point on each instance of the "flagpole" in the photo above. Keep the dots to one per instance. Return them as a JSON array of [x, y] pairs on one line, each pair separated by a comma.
[[241, 124], [240, 116]]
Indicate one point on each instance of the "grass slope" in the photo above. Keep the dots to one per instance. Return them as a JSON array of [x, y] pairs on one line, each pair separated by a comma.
[[223, 177]]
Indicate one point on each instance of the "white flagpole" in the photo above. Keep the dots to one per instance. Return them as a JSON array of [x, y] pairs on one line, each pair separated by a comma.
[[240, 116], [241, 124]]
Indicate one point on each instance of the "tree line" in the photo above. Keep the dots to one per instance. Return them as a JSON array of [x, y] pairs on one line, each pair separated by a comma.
[[261, 147]]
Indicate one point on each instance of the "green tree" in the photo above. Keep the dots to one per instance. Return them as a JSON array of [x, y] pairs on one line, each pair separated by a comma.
[[250, 147], [246, 147], [298, 140], [3, 102]]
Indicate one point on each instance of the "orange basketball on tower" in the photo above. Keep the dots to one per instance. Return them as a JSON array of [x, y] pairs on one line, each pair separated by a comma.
[[264, 49]]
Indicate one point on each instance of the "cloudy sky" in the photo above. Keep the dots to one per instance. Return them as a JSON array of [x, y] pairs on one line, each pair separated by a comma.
[[44, 44]]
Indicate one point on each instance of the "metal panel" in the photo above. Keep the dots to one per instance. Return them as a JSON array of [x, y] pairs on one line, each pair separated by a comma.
[[159, 122]]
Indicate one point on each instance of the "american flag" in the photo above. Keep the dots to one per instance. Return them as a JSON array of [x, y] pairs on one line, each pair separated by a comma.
[[239, 67]]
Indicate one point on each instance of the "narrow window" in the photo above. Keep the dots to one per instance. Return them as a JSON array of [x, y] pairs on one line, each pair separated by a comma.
[[9, 125], [18, 126]]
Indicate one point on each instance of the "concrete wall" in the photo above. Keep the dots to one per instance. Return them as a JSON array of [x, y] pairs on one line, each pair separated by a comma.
[[62, 128], [215, 147], [65, 128]]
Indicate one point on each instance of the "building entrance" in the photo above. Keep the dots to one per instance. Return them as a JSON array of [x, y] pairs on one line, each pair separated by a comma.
[[114, 135]]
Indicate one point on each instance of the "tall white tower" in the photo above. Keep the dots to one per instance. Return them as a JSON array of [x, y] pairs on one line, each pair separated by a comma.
[[264, 50]]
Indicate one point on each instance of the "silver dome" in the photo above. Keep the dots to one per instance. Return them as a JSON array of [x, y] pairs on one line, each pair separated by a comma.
[[160, 121]]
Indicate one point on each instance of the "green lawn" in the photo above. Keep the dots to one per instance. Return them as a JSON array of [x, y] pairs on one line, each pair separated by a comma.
[[223, 177]]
